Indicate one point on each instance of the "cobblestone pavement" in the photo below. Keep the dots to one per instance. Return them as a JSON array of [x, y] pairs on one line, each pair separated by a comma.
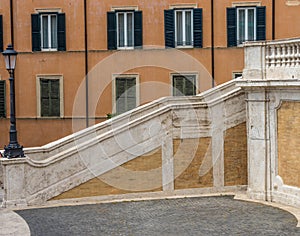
[[187, 216]]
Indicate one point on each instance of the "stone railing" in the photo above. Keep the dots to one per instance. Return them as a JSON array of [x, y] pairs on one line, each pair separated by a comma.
[[285, 54], [278, 59], [57, 167]]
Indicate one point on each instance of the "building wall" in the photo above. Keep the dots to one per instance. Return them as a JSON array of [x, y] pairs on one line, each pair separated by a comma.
[[71, 63]]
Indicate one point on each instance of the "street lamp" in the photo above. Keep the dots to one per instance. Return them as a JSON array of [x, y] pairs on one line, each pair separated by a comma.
[[13, 149]]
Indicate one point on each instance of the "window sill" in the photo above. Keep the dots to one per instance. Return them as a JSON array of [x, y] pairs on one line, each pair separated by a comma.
[[49, 50], [125, 48], [183, 47]]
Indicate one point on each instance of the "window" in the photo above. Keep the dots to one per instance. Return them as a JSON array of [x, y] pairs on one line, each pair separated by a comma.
[[246, 30], [236, 75], [1, 33], [126, 93], [124, 30], [50, 96], [2, 99], [48, 32], [245, 24], [184, 85], [183, 28]]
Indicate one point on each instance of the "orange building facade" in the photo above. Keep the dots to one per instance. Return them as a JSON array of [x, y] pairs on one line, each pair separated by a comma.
[[131, 51]]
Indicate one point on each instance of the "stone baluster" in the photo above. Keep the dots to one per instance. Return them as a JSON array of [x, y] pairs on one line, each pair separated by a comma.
[[283, 55], [297, 54], [278, 56], [293, 55], [268, 56], [288, 56], [272, 56]]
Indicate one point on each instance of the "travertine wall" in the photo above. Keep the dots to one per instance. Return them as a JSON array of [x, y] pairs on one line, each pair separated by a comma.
[[288, 133]]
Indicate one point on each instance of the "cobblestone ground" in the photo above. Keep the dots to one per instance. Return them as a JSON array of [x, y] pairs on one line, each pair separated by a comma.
[[187, 216]]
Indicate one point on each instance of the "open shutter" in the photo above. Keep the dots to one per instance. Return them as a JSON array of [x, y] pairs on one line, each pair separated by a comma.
[[111, 31], [197, 15], [36, 32], [231, 27], [138, 29], [260, 23], [1, 34], [169, 29], [61, 32], [2, 99]]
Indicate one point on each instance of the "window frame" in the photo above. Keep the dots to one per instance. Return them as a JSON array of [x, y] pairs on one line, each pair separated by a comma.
[[235, 73], [246, 9], [184, 27], [185, 74], [49, 14], [114, 86], [61, 94], [125, 13]]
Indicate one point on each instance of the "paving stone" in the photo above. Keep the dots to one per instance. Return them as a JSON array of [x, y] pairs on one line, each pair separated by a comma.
[[186, 216]]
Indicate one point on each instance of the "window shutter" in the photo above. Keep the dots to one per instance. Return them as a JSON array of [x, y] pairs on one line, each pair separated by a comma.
[[178, 85], [131, 93], [61, 32], [111, 31], [44, 83], [260, 23], [36, 32], [1, 34], [231, 27], [54, 98], [197, 15], [138, 29], [190, 85], [2, 99], [169, 29]]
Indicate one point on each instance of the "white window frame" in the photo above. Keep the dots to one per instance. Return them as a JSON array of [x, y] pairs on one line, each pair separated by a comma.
[[185, 74], [125, 30], [137, 90], [236, 73], [49, 31], [61, 94], [246, 9], [184, 28]]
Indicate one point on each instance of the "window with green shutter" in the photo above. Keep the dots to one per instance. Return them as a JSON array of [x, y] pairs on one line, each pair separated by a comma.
[[48, 32], [245, 24], [50, 97], [184, 85], [183, 28], [125, 94], [124, 30], [2, 99]]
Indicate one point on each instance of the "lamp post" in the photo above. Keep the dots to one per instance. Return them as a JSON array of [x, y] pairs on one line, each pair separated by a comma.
[[13, 149]]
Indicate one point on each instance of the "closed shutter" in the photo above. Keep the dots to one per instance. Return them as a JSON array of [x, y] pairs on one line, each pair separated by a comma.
[[111, 31], [50, 97], [138, 29], [190, 85], [125, 94], [45, 99], [231, 27], [178, 85], [197, 15], [54, 98], [61, 32], [131, 93], [36, 32], [169, 29], [261, 23], [2, 99], [1, 33]]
